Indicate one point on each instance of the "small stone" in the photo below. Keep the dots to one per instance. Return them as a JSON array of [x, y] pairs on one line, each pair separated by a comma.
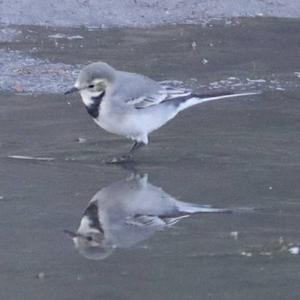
[[244, 253], [234, 234], [204, 61], [75, 37], [81, 140], [19, 88], [24, 71], [194, 45], [295, 250], [41, 275]]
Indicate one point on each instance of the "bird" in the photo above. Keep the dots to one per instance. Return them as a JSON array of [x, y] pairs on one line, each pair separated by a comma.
[[134, 105], [127, 212]]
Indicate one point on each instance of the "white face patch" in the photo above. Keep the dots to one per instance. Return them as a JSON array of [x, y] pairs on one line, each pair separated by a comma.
[[85, 227], [94, 89], [77, 85], [86, 97]]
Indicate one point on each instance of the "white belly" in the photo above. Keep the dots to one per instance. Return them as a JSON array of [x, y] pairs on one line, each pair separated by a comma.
[[132, 123]]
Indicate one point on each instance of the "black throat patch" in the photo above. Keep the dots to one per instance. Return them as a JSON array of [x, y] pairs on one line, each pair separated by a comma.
[[93, 108]]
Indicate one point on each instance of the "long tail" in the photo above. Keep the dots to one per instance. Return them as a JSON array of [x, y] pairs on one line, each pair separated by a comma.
[[186, 209], [194, 99], [192, 208]]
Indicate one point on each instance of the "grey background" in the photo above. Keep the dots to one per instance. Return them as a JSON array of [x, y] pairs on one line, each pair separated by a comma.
[[243, 153]]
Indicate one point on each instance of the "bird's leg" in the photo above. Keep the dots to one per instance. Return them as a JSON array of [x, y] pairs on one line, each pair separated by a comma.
[[128, 156], [136, 146]]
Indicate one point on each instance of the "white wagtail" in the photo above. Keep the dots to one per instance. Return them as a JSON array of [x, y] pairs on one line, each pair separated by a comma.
[[127, 212], [133, 105]]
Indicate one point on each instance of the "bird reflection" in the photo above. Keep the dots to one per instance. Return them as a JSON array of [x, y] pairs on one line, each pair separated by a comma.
[[127, 212]]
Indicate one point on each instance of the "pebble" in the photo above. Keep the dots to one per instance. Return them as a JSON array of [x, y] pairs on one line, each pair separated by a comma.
[[234, 234], [41, 275], [295, 250], [81, 140], [204, 61], [248, 254]]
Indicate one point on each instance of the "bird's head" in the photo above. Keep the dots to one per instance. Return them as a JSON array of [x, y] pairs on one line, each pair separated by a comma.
[[93, 79], [90, 239]]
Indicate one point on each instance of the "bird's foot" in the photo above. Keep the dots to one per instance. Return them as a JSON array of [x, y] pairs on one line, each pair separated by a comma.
[[119, 160]]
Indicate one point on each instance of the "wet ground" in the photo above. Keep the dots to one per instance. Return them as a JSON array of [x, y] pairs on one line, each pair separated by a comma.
[[233, 153]]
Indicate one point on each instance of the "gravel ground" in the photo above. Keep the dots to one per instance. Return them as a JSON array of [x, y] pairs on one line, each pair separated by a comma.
[[138, 13]]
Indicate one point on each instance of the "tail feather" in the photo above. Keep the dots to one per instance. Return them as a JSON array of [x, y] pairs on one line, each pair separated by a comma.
[[186, 208], [196, 209], [193, 99]]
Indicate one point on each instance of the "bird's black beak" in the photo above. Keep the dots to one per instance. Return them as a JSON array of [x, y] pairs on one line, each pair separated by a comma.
[[72, 90], [71, 234]]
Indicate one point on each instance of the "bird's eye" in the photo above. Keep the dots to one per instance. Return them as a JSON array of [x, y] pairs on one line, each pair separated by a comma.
[[89, 238], [91, 86]]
